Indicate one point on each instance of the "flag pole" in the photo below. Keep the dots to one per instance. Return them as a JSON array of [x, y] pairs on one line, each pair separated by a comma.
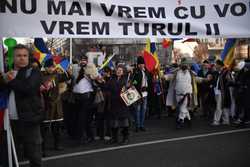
[[13, 148], [71, 51], [1, 55], [7, 127], [172, 50], [160, 80], [248, 50], [6, 114]]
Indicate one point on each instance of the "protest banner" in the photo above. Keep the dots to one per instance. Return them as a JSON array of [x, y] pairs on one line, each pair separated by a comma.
[[125, 19]]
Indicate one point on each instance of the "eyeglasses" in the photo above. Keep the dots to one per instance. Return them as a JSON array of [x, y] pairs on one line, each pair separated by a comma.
[[24, 55]]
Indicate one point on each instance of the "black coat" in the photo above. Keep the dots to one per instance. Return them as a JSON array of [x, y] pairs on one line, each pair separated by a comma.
[[242, 87], [137, 79], [118, 108], [207, 87], [27, 95], [224, 87]]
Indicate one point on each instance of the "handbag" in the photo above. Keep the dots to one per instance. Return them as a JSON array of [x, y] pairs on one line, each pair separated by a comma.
[[99, 97]]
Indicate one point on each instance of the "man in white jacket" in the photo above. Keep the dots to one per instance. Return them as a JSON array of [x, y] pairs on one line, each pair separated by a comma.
[[183, 89], [182, 85]]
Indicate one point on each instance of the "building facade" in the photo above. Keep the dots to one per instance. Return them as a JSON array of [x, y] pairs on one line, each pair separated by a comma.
[[126, 50]]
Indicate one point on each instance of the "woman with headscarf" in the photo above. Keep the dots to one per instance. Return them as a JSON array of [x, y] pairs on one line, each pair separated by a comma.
[[118, 109]]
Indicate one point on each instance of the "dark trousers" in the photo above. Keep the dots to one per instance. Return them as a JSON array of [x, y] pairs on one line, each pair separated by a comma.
[[3, 149], [209, 107], [246, 115], [124, 132], [70, 118], [103, 124], [84, 116], [56, 129], [242, 111], [28, 139], [155, 104]]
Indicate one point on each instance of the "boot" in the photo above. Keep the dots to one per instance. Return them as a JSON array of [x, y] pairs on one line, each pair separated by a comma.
[[125, 140], [57, 138], [189, 123], [43, 134], [44, 154], [125, 135], [58, 147], [143, 129], [57, 142], [114, 138], [179, 123]]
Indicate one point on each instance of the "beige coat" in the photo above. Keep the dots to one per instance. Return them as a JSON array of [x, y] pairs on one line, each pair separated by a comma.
[[171, 96]]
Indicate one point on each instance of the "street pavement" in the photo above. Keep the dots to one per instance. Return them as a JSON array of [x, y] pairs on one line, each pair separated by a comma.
[[162, 145]]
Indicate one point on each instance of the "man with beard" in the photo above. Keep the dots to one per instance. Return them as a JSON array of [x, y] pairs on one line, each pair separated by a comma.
[[184, 88]]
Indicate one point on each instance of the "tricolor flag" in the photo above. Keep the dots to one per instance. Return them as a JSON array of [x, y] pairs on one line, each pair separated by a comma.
[[111, 65], [41, 52], [195, 68], [166, 43], [57, 59], [227, 55], [150, 56], [3, 106], [64, 65], [107, 61]]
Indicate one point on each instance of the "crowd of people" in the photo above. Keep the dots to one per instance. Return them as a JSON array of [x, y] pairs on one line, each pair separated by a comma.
[[86, 101]]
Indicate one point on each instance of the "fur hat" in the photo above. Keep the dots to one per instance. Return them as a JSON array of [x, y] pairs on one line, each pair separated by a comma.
[[187, 61], [140, 60], [49, 63], [219, 62], [84, 57], [205, 62], [91, 71]]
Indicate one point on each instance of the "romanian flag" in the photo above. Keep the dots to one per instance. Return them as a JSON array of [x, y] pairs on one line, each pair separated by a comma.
[[227, 55], [57, 59], [1, 117], [41, 52], [166, 43], [64, 65], [3, 106], [107, 62], [111, 65], [150, 56]]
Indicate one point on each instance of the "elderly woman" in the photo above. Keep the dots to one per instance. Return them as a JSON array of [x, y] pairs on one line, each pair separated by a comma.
[[118, 109]]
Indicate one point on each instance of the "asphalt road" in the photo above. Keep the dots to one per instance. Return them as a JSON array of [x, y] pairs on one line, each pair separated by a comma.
[[162, 146]]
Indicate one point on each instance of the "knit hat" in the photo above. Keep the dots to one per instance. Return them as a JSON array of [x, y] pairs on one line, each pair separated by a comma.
[[205, 62], [187, 61], [211, 59], [140, 60], [219, 62], [49, 63], [84, 57]]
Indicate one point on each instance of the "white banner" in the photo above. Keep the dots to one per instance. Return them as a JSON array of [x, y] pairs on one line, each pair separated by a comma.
[[125, 18]]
